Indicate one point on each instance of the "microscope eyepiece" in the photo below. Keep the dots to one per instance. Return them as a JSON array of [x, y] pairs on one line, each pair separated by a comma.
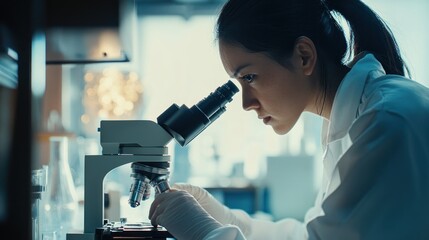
[[184, 123], [217, 99]]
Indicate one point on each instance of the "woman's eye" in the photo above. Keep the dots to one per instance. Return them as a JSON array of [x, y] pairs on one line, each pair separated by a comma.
[[249, 78]]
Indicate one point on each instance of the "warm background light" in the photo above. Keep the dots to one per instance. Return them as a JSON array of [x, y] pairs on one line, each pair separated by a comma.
[[111, 94]]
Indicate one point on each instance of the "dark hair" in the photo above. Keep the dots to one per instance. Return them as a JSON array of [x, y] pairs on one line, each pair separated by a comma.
[[272, 27]]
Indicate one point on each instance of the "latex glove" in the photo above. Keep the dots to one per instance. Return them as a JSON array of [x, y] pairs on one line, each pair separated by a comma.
[[216, 209], [179, 212]]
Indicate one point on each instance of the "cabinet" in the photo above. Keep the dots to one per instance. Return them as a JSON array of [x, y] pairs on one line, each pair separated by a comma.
[[19, 110]]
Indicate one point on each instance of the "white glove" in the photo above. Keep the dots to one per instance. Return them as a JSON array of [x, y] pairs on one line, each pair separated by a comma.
[[181, 215], [216, 209]]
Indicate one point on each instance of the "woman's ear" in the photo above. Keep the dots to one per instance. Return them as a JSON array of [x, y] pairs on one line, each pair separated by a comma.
[[306, 53]]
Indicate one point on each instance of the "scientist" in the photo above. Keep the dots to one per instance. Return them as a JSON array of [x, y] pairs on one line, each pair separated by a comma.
[[289, 57]]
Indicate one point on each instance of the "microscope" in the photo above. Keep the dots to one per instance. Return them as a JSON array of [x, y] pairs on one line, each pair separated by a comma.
[[143, 143]]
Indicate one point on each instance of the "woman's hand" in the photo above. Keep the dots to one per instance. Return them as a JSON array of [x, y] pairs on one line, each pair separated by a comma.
[[217, 210], [182, 216]]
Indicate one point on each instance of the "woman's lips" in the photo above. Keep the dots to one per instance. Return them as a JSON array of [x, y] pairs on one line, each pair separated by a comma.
[[266, 120]]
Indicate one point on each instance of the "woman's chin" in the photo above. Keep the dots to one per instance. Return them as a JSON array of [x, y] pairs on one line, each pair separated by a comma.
[[280, 130]]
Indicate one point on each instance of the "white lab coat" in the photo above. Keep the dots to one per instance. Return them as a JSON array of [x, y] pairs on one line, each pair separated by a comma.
[[376, 165]]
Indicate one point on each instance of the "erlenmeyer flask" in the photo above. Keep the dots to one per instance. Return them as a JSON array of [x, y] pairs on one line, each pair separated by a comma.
[[60, 204]]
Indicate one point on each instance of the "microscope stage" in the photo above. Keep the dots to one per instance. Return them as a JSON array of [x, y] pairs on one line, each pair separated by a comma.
[[137, 230]]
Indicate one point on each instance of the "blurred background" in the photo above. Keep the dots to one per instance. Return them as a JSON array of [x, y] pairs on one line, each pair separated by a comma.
[[132, 60]]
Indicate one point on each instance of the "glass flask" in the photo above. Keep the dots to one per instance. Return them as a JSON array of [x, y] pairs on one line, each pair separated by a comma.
[[59, 202]]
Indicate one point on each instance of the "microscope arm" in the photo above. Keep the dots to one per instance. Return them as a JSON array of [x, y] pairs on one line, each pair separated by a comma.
[[123, 142], [94, 195]]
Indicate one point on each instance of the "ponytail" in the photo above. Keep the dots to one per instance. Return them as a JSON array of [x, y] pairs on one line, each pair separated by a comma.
[[370, 33]]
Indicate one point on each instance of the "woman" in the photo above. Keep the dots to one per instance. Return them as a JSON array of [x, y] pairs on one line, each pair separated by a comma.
[[289, 56]]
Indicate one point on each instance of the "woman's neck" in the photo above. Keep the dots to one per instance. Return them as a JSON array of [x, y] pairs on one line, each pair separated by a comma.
[[333, 74]]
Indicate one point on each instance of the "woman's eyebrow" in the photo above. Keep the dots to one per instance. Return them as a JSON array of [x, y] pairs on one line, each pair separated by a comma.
[[238, 69]]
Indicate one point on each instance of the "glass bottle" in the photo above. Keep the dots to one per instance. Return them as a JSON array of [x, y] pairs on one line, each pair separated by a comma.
[[60, 204], [38, 185]]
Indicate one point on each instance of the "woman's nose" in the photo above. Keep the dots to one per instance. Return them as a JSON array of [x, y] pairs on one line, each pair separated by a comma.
[[249, 101]]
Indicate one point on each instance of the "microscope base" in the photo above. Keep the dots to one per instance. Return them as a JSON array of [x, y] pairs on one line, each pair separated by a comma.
[[138, 230]]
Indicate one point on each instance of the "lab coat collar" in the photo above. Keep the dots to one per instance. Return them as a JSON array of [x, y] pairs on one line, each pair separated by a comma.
[[348, 97]]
